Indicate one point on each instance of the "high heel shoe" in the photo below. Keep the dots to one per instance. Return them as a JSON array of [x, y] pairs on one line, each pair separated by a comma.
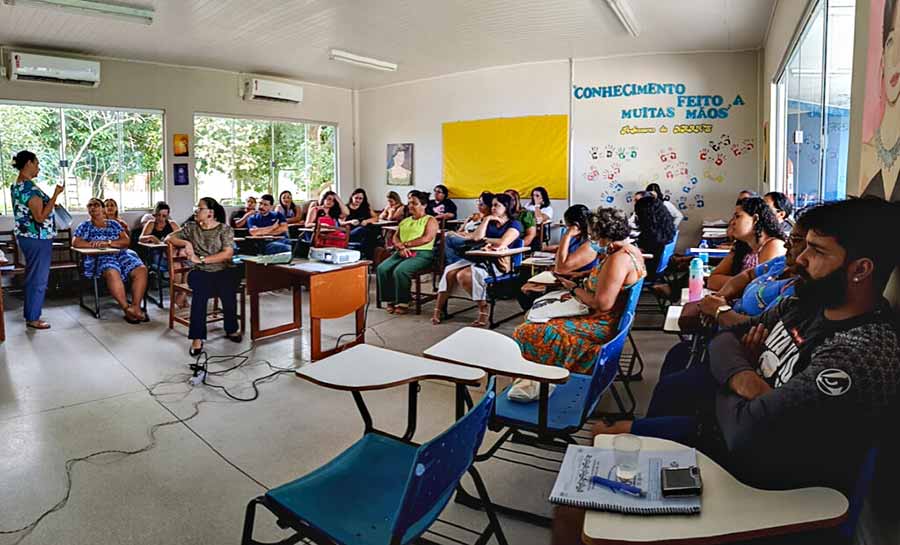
[[194, 352]]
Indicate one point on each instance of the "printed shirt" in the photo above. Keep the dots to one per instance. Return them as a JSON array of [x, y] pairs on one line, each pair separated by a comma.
[[25, 224], [207, 242], [766, 289], [446, 206], [834, 383]]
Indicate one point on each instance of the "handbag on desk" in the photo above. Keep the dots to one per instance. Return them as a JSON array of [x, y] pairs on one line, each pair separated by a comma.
[[556, 304]]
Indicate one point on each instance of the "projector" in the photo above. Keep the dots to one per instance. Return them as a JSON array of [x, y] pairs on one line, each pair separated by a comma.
[[338, 256]]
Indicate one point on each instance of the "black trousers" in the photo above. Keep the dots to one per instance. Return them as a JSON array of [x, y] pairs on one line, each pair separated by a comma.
[[205, 285]]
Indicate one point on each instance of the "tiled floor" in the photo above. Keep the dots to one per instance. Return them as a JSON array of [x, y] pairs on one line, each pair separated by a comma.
[[83, 387]]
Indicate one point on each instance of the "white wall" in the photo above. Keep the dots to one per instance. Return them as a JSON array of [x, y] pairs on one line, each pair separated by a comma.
[[181, 92], [701, 181], [414, 112]]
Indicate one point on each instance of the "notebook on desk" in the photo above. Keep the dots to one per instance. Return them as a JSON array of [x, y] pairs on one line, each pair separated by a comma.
[[275, 259], [574, 487]]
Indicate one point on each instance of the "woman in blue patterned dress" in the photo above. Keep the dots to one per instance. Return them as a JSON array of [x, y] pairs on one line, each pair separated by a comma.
[[35, 229], [99, 232]]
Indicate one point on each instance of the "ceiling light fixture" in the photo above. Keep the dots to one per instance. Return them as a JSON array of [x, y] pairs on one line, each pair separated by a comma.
[[359, 60], [625, 15], [91, 7]]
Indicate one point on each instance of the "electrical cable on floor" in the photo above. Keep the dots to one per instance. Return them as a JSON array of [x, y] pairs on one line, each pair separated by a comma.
[[181, 378], [365, 328]]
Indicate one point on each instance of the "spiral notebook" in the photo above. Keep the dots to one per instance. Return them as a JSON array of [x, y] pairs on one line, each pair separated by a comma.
[[574, 487]]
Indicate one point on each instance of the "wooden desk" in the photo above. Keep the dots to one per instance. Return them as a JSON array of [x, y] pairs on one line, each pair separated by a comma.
[[495, 353], [332, 294], [366, 367], [731, 511]]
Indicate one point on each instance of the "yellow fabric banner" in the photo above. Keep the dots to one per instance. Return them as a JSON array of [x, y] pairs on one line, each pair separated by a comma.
[[510, 153]]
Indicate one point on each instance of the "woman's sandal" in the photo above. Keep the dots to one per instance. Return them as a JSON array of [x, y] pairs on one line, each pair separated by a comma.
[[479, 322], [436, 317], [401, 309], [194, 352], [391, 308], [37, 324]]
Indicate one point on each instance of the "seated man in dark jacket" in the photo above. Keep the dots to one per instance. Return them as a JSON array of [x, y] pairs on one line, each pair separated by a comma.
[[798, 396]]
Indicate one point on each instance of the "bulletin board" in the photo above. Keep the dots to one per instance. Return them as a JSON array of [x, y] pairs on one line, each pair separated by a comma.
[[509, 153]]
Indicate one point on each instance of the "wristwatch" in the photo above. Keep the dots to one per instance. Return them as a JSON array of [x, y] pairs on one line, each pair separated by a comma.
[[721, 309], [203, 260]]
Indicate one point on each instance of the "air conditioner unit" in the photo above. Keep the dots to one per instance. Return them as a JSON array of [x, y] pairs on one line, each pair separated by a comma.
[[275, 91], [43, 68]]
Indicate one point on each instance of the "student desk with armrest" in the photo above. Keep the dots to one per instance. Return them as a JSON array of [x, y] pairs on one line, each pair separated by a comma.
[[730, 511]]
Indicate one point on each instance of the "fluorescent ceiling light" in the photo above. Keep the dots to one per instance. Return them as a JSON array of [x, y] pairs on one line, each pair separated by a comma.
[[91, 7], [367, 62], [625, 15]]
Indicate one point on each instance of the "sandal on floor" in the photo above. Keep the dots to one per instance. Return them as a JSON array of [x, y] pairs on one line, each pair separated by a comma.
[[479, 322], [390, 308], [37, 324], [235, 338], [194, 352], [436, 317], [401, 309]]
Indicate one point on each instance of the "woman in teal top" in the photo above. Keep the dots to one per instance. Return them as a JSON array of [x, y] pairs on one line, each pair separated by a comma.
[[33, 211], [414, 247]]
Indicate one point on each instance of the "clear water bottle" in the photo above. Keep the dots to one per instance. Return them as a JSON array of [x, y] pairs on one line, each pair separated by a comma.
[[704, 256], [695, 280]]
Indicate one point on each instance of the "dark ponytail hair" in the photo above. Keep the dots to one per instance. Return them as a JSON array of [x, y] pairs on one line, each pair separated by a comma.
[[218, 209], [23, 158], [766, 222], [578, 215]]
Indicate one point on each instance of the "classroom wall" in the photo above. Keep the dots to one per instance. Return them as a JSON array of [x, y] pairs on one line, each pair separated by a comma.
[[414, 112], [183, 91], [545, 88], [696, 137]]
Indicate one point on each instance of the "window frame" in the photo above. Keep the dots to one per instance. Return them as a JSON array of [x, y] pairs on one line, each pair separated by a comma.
[[273, 182], [60, 106]]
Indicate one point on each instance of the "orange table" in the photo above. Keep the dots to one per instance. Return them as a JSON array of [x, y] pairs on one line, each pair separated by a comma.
[[332, 294]]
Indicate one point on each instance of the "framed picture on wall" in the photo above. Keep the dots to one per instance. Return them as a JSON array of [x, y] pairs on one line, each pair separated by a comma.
[[180, 145], [399, 164], [181, 173]]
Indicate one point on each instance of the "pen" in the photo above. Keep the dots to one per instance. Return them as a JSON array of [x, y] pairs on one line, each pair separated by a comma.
[[616, 486]]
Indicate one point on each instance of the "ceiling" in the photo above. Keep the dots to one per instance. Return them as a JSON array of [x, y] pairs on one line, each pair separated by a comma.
[[291, 38]]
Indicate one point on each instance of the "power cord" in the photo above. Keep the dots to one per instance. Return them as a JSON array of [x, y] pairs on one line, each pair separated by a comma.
[[178, 379], [365, 328]]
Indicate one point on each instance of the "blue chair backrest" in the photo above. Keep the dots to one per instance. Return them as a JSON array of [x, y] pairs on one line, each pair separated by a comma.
[[863, 484], [438, 467], [517, 259], [634, 296], [668, 252], [606, 367]]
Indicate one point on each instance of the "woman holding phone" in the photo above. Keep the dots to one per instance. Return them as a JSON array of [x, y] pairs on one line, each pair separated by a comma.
[[35, 229]]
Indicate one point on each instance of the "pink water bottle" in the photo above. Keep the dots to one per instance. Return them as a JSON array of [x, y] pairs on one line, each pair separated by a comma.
[[695, 280]]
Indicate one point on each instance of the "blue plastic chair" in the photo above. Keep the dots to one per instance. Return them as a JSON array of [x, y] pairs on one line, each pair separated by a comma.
[[860, 492], [574, 401], [668, 252], [381, 490]]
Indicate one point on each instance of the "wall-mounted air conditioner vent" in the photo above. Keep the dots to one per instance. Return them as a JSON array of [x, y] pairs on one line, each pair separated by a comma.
[[275, 91], [47, 69]]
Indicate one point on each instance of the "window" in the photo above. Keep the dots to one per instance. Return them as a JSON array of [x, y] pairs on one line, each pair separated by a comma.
[[98, 153], [812, 107], [240, 157]]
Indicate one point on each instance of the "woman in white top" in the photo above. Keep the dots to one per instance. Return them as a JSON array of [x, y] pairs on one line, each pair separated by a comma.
[[540, 205], [676, 214]]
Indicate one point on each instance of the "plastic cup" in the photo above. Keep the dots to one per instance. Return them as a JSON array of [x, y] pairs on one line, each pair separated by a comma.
[[626, 450]]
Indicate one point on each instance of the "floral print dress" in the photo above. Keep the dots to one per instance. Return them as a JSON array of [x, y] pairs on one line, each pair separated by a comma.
[[575, 342]]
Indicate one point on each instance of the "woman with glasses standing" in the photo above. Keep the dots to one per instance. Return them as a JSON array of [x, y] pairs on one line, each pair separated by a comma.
[[209, 243], [34, 230]]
